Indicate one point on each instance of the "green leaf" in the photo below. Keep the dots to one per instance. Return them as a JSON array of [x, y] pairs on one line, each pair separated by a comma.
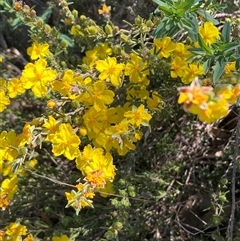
[[237, 65], [185, 4], [219, 68], [226, 32], [47, 13], [168, 11], [16, 23], [197, 51], [203, 45], [228, 47], [207, 16], [207, 65], [69, 40], [160, 28]]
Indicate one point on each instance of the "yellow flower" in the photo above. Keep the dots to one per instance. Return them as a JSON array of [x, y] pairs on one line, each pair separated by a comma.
[[61, 238], [209, 32], [181, 51], [110, 70], [84, 199], [138, 116], [93, 120], [9, 143], [15, 88], [190, 72], [16, 229], [37, 77], [100, 96], [38, 50], [65, 142], [194, 95], [2, 234], [91, 57], [103, 50], [52, 126], [155, 101], [230, 68], [137, 70], [214, 111], [100, 170], [4, 100], [165, 46], [105, 10], [64, 85], [1, 59], [134, 92], [51, 104], [29, 238], [26, 135], [86, 156], [177, 67]]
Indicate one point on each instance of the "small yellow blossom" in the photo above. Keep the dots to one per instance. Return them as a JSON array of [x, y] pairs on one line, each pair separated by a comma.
[[37, 77], [17, 5], [15, 87], [137, 69], [61, 238], [110, 70], [155, 101], [16, 229], [138, 116], [209, 33], [164, 46], [194, 94], [29, 238], [190, 72], [105, 10], [51, 104], [178, 66], [38, 50], [65, 142], [4, 100]]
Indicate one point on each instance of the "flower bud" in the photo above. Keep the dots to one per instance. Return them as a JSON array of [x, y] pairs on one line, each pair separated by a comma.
[[108, 29], [40, 23], [124, 38], [75, 13]]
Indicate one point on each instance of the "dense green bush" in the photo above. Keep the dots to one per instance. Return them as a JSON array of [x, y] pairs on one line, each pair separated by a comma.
[[94, 144]]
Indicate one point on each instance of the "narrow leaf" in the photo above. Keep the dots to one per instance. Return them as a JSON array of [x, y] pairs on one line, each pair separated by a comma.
[[226, 32], [219, 69]]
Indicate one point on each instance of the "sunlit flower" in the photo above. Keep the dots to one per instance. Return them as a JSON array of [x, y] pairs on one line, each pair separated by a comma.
[[178, 66], [38, 50], [4, 100], [138, 116], [110, 70], [15, 88], [65, 142], [29, 238], [190, 72], [164, 46], [61, 238], [105, 10], [137, 69], [209, 33], [155, 101], [37, 77], [194, 94], [16, 229]]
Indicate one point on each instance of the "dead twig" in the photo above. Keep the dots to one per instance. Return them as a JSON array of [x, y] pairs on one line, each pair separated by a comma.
[[234, 164]]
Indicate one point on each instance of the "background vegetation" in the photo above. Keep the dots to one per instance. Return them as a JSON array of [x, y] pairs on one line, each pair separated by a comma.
[[177, 183]]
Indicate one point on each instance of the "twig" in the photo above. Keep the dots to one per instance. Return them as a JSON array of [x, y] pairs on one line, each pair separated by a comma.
[[50, 179], [234, 161]]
